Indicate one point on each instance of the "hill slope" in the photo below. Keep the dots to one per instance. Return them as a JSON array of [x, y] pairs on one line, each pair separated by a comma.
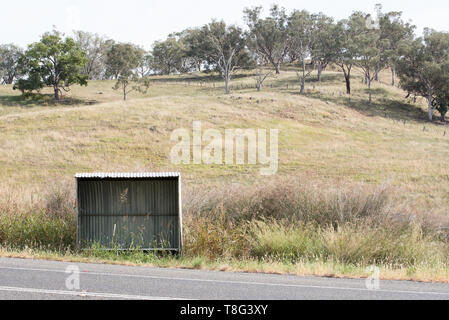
[[322, 134]]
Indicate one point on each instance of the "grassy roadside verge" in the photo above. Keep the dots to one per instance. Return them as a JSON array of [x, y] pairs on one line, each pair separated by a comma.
[[424, 273], [293, 225]]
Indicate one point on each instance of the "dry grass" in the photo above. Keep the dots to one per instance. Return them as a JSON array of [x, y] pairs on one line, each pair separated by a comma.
[[321, 134], [344, 149], [294, 226], [300, 219]]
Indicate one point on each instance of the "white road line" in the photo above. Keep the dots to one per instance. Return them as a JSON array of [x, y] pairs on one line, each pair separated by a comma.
[[235, 282], [83, 294]]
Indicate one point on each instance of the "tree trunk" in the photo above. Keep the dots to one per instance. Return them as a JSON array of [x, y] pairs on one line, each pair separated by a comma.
[[259, 81], [320, 71], [276, 66], [393, 75], [369, 92], [347, 78], [227, 84], [124, 93], [430, 109], [348, 83], [376, 76], [56, 93], [302, 86], [303, 79]]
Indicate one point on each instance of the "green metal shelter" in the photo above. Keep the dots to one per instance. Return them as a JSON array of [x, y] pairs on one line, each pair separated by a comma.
[[129, 210]]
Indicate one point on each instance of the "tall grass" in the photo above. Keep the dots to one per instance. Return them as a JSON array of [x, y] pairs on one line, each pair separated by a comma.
[[47, 222], [294, 220]]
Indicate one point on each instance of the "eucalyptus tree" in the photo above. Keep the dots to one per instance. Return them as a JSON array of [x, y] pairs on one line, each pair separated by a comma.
[[130, 81], [345, 33], [324, 45], [145, 65], [368, 50], [396, 32], [9, 63], [123, 57], [270, 34], [423, 69], [95, 48], [225, 47], [123, 62], [262, 73], [54, 61], [168, 55], [192, 41], [301, 30]]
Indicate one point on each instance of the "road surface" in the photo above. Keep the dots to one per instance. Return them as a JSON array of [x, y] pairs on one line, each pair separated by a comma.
[[40, 280]]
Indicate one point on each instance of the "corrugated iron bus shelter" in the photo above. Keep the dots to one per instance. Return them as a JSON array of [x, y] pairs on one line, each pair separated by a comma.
[[129, 210]]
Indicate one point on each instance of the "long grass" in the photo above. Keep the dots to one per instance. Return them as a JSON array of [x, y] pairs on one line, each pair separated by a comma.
[[286, 221], [46, 223], [295, 220]]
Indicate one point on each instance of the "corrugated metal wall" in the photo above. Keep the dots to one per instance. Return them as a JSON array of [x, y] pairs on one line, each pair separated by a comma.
[[129, 213]]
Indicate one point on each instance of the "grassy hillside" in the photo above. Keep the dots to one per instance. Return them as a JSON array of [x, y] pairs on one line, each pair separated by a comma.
[[358, 184], [322, 134]]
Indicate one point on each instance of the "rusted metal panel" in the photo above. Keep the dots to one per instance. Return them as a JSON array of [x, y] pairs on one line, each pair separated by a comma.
[[123, 211]]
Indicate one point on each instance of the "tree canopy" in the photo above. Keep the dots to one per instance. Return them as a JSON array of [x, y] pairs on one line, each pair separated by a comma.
[[269, 35], [9, 63], [53, 61], [123, 57], [424, 69], [225, 47], [306, 41]]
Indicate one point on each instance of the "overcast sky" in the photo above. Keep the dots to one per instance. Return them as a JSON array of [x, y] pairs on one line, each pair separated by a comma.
[[144, 21]]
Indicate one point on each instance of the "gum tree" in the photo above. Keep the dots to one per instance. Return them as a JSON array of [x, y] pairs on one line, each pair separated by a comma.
[[123, 57], [396, 32], [324, 46], [129, 82], [423, 69], [301, 30], [124, 60], [345, 33], [368, 50], [94, 47], [224, 47], [9, 63], [168, 55], [54, 62], [270, 35]]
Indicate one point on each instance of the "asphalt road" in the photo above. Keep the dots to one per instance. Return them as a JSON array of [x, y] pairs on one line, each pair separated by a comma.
[[40, 280]]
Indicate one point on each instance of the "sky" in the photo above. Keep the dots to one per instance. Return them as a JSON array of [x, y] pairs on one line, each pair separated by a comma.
[[144, 21]]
